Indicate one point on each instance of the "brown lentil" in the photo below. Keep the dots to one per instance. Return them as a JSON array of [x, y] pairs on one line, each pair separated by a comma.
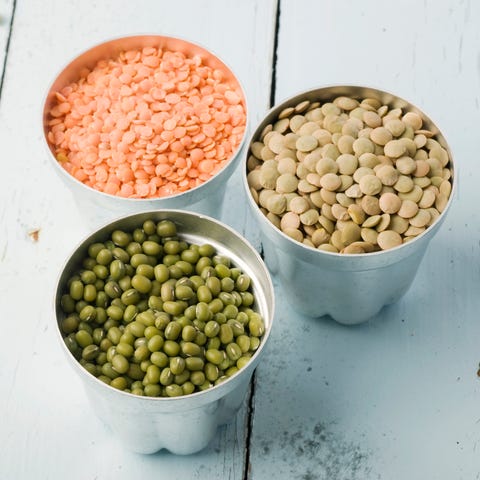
[[350, 175]]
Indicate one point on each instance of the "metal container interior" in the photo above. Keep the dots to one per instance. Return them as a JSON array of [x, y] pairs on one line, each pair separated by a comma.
[[182, 425], [206, 198], [349, 288]]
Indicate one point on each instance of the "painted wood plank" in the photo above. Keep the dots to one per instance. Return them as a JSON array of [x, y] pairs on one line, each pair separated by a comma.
[[397, 397], [47, 429]]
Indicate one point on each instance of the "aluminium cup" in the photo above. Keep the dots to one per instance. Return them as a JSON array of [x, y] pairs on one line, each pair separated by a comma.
[[206, 198], [182, 425], [350, 288]]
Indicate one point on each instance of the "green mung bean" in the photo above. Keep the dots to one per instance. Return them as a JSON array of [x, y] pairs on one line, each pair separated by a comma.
[[153, 315]]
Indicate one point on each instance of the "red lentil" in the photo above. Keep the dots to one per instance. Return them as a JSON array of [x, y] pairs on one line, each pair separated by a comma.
[[147, 124]]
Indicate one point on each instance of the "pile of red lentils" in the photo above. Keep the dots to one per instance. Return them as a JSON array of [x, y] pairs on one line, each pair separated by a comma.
[[149, 123]]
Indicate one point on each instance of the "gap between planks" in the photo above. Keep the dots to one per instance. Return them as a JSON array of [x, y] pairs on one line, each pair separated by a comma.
[[7, 46], [253, 383]]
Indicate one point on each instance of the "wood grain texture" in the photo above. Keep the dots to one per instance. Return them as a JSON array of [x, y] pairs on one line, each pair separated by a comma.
[[397, 397], [47, 428]]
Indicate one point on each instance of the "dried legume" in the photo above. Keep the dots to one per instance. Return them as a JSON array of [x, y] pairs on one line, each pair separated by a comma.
[[360, 176], [148, 123], [164, 330]]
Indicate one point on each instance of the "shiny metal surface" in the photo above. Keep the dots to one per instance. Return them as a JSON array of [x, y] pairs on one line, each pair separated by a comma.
[[182, 425], [350, 288], [207, 197]]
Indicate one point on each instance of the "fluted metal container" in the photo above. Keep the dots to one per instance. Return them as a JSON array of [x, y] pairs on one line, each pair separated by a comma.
[[351, 288], [208, 197], [182, 425]]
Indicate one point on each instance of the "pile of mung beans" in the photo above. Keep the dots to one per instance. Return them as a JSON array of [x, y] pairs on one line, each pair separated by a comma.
[[151, 314], [350, 175]]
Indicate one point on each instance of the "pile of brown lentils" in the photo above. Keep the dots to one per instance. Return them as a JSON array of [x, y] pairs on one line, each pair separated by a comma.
[[349, 176]]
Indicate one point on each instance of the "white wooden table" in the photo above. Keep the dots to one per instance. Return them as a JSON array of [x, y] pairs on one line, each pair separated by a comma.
[[396, 398]]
